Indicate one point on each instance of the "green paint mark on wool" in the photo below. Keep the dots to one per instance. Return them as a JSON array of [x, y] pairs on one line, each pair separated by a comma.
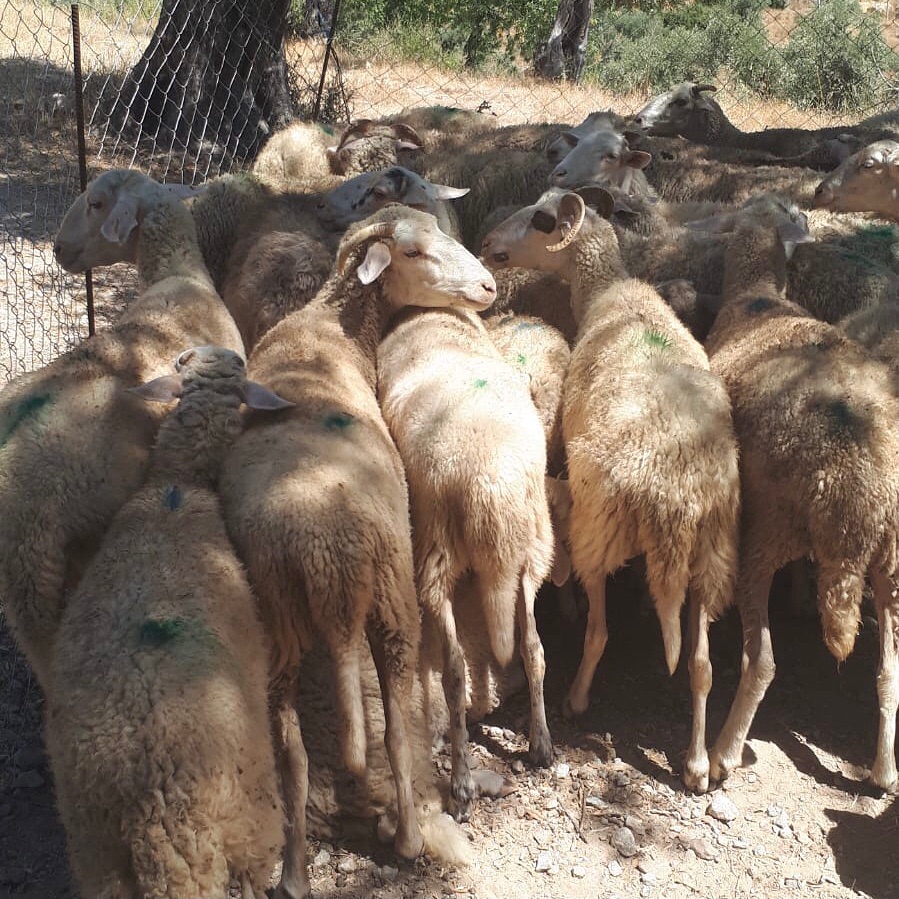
[[657, 339], [327, 129], [29, 407], [338, 421], [480, 383], [157, 633], [841, 413], [522, 360]]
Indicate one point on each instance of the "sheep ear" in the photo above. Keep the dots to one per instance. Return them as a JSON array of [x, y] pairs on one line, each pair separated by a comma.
[[376, 261], [122, 219], [258, 397], [331, 152], [791, 235], [570, 138], [159, 390], [406, 145], [543, 221], [601, 200], [445, 192], [637, 159]]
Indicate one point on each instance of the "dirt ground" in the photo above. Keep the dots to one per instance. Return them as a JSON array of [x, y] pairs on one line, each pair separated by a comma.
[[805, 825]]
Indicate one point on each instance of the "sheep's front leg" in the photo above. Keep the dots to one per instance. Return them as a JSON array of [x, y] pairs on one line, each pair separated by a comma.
[[594, 645], [541, 746], [293, 770], [757, 674], [696, 769], [886, 599]]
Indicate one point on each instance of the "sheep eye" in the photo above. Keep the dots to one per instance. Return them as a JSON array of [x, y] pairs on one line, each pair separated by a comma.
[[413, 253], [680, 102], [869, 163], [611, 155], [95, 204]]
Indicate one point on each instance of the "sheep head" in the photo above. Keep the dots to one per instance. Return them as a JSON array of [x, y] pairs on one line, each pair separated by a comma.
[[603, 157], [868, 181], [670, 114], [418, 264]]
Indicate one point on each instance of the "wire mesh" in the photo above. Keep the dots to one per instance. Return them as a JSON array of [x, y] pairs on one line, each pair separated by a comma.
[[198, 96]]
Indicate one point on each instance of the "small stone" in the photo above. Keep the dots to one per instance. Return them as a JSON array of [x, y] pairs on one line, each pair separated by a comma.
[[551, 804], [615, 868], [518, 766], [326, 847], [544, 862], [782, 820], [29, 780], [346, 865], [721, 808], [322, 859], [791, 883], [775, 810], [737, 843], [722, 840], [509, 734], [827, 877], [596, 802], [702, 847], [635, 824], [579, 871], [624, 841], [760, 851], [621, 779], [645, 892], [543, 838], [649, 878], [389, 874], [752, 777], [563, 770]]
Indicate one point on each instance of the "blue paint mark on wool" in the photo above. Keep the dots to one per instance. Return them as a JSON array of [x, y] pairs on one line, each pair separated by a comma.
[[30, 406], [173, 498], [158, 633], [527, 326], [338, 421], [758, 305]]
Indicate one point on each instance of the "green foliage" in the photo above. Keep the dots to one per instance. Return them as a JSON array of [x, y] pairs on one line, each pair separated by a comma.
[[836, 59]]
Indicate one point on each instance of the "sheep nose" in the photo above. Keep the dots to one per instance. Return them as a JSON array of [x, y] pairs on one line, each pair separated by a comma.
[[489, 286], [638, 120], [184, 358], [57, 249]]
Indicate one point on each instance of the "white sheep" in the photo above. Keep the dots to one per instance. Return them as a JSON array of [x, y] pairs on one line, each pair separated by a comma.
[[317, 506], [158, 725], [819, 465], [73, 446], [868, 181], [652, 458], [474, 451]]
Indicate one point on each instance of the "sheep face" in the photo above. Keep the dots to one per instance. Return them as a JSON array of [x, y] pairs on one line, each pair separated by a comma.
[[868, 181], [670, 114], [367, 145], [541, 236], [562, 144], [101, 227], [365, 194], [600, 158], [418, 264]]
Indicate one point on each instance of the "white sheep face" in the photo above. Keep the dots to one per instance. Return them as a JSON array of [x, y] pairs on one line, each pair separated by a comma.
[[669, 114], [600, 158], [868, 181]]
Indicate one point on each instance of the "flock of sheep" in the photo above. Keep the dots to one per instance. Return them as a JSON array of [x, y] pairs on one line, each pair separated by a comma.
[[663, 362]]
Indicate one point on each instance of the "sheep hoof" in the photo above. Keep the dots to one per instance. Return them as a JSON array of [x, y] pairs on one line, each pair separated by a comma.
[[696, 779], [573, 708], [461, 795], [719, 769], [540, 753], [297, 891], [886, 781], [410, 847]]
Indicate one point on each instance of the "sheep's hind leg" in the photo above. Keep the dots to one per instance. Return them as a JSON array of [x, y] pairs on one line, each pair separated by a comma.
[[757, 674], [293, 771], [886, 599], [541, 747], [696, 768], [594, 645], [394, 657]]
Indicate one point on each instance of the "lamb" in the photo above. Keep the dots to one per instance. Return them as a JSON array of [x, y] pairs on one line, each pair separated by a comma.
[[477, 504], [158, 730], [638, 391], [73, 446], [316, 502], [816, 420], [302, 155], [687, 110], [868, 181]]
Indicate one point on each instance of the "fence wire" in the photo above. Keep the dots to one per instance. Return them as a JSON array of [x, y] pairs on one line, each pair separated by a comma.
[[793, 63]]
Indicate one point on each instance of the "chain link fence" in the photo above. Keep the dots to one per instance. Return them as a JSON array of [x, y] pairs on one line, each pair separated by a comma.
[[793, 62]]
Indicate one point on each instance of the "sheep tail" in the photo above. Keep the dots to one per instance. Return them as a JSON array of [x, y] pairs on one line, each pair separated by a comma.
[[839, 602], [348, 686], [668, 576]]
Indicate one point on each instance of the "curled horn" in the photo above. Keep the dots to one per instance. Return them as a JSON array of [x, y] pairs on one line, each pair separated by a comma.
[[699, 88], [402, 131], [380, 230], [572, 229], [359, 128]]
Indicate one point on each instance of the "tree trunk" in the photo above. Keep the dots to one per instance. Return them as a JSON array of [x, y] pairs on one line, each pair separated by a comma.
[[564, 54], [213, 76]]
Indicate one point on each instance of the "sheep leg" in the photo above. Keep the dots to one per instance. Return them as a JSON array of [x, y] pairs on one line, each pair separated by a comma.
[[395, 679], [293, 770], [541, 747], [757, 674], [886, 599], [594, 645], [435, 595], [246, 887], [696, 769]]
